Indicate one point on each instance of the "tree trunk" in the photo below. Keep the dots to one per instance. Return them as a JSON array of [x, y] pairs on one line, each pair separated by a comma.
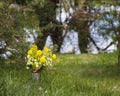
[[83, 35], [40, 41], [119, 46], [119, 56], [57, 37], [46, 16]]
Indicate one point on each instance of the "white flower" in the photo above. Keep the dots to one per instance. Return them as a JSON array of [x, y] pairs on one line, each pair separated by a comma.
[[28, 56], [37, 66], [40, 88], [51, 65], [46, 92], [27, 67], [35, 60]]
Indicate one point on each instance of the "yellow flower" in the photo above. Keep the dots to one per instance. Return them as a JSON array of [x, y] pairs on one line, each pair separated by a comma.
[[46, 49], [54, 56], [29, 52], [39, 52], [38, 58], [34, 47], [43, 59]]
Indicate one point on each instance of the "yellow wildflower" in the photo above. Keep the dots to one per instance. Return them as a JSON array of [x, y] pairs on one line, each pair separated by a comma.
[[43, 59], [38, 58], [46, 49], [34, 47], [29, 52], [54, 56], [39, 52]]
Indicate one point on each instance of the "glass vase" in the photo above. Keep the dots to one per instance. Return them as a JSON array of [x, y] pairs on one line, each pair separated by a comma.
[[36, 74]]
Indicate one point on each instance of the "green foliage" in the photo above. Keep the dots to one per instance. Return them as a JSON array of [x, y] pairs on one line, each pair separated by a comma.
[[99, 3], [13, 20], [73, 75], [3, 89]]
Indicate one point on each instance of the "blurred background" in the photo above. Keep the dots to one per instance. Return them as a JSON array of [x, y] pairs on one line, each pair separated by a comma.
[[67, 26]]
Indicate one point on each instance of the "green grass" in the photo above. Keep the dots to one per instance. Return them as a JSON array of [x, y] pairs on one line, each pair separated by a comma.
[[72, 75]]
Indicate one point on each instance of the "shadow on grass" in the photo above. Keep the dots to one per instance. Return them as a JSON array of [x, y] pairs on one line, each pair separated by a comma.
[[91, 70], [98, 71]]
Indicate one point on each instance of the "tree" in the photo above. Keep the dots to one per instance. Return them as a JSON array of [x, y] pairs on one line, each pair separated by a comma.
[[79, 22], [87, 13], [13, 20], [49, 25], [46, 15]]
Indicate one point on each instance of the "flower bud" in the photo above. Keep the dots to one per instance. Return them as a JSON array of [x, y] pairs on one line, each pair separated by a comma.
[[54, 56]]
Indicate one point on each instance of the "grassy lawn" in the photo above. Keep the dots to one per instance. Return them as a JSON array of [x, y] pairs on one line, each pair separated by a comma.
[[72, 75]]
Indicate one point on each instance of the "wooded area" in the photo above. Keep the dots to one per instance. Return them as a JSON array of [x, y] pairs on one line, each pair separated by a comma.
[[40, 15]]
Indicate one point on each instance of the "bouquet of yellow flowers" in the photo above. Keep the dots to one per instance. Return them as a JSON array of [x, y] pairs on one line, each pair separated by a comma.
[[37, 59]]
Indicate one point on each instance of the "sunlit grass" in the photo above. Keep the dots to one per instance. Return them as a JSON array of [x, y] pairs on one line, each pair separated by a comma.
[[72, 75]]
